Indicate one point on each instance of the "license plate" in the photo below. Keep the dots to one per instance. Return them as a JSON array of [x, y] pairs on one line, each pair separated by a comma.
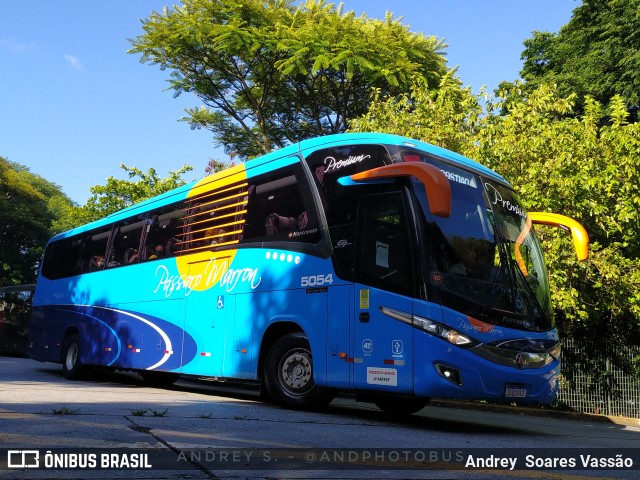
[[515, 391]]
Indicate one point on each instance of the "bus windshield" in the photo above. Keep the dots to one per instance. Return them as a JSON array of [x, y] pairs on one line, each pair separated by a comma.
[[485, 260]]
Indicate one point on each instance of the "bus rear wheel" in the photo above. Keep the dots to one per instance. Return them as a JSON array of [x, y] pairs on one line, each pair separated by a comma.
[[401, 406], [288, 374], [72, 369]]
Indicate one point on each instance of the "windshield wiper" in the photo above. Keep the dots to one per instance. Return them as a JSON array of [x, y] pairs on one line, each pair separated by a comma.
[[516, 275]]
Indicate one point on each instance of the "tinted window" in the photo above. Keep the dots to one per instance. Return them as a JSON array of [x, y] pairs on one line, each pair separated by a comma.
[[280, 210], [328, 165], [383, 257], [61, 258], [126, 242], [160, 235], [94, 250]]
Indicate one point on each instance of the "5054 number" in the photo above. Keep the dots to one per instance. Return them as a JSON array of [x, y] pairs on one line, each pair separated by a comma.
[[316, 280]]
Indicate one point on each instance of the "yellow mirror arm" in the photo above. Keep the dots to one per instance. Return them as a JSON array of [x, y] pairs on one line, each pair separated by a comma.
[[578, 233]]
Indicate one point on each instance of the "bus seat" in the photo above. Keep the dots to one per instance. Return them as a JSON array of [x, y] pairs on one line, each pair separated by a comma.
[[275, 223], [303, 221]]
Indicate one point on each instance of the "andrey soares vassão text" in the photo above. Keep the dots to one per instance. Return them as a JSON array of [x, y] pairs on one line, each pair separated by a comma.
[[582, 461]]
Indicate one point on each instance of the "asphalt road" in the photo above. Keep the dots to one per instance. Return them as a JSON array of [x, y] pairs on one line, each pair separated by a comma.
[[198, 430]]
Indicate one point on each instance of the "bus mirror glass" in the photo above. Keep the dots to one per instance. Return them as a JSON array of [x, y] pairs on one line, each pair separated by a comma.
[[578, 233], [435, 182]]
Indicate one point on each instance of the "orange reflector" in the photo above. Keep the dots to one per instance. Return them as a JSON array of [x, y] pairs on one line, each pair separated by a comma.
[[394, 362]]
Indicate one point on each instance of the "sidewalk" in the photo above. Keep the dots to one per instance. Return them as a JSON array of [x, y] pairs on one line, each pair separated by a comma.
[[540, 412]]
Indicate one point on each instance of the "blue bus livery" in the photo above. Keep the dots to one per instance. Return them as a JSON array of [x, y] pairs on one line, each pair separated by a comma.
[[366, 262]]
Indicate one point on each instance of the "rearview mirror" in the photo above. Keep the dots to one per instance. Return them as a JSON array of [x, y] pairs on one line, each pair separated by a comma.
[[435, 182], [578, 233]]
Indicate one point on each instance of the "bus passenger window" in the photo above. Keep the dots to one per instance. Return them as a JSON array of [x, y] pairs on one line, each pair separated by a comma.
[[61, 258], [126, 242], [94, 250], [160, 237], [278, 209]]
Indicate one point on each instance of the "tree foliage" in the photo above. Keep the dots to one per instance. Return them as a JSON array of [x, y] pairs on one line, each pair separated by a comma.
[[580, 166], [117, 194], [596, 54], [448, 116], [272, 72], [29, 207], [33, 209]]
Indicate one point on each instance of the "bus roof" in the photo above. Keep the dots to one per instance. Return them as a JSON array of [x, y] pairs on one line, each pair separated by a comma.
[[282, 157], [389, 139]]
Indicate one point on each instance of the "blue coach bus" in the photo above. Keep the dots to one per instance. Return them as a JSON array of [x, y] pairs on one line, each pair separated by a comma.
[[368, 263]]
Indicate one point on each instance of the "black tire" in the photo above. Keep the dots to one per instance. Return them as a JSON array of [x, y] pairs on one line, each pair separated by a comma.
[[288, 375], [399, 407], [72, 369], [159, 379]]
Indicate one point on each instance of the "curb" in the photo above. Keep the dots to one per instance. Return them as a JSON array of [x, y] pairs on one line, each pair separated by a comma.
[[539, 412]]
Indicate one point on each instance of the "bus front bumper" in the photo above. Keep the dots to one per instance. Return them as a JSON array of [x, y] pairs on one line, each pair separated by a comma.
[[447, 371]]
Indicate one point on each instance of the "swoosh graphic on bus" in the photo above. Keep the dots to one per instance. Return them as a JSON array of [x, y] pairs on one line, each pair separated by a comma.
[[165, 337], [103, 323]]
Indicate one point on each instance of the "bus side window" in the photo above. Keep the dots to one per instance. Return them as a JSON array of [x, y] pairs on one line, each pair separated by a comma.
[[340, 203], [277, 209], [94, 250], [161, 231], [61, 258], [126, 242]]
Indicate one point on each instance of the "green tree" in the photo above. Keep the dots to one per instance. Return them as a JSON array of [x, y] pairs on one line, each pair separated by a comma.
[[270, 72], [117, 194], [585, 168], [29, 208], [449, 116], [32, 210], [581, 166], [597, 53]]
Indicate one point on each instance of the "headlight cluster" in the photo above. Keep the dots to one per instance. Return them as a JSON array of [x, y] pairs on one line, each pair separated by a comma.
[[433, 328]]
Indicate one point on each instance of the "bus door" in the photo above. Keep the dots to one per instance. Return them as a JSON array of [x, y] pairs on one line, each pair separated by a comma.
[[382, 345], [339, 343]]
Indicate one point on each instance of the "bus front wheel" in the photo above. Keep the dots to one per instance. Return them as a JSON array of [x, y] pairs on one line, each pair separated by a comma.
[[72, 369], [288, 374]]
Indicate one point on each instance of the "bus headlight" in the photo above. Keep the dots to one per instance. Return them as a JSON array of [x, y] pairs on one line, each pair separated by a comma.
[[437, 329], [447, 333]]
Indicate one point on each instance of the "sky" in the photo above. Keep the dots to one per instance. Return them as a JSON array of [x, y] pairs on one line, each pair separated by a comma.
[[74, 105]]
